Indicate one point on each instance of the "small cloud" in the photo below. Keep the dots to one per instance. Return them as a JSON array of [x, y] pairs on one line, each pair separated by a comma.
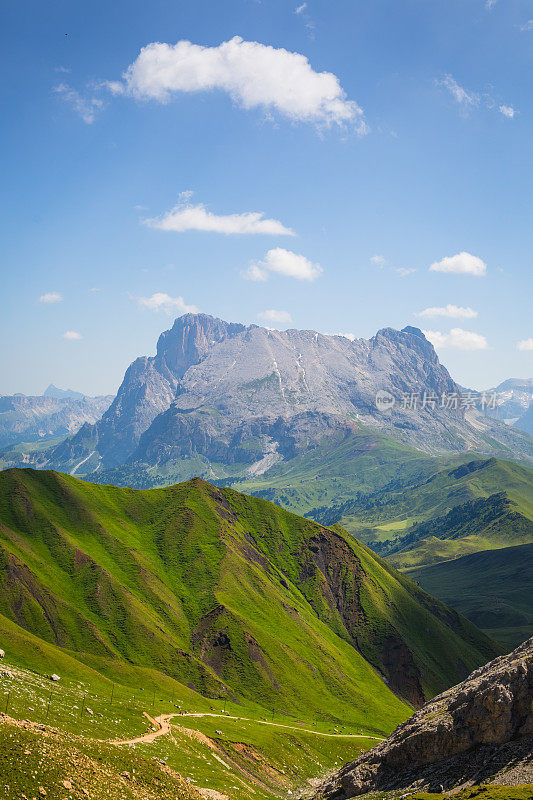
[[378, 261], [459, 93], [460, 264], [255, 273], [85, 107], [301, 11], [489, 4], [454, 312], [160, 301], [272, 315], [50, 297], [186, 217], [508, 111], [527, 26], [468, 99], [283, 262], [64, 70], [456, 339], [95, 289], [403, 272], [525, 344], [72, 336]]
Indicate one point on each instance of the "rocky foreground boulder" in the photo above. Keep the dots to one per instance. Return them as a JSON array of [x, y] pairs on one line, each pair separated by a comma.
[[479, 731]]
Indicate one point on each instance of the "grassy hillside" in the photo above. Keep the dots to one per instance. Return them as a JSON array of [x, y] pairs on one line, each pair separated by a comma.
[[480, 506], [492, 588], [228, 595]]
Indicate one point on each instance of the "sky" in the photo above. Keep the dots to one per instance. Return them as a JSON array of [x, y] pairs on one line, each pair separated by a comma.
[[335, 165]]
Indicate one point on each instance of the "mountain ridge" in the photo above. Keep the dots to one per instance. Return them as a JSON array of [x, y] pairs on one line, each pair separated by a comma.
[[230, 595]]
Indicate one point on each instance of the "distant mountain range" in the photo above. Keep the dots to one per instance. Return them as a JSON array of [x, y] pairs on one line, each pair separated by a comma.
[[54, 415], [226, 400], [515, 403]]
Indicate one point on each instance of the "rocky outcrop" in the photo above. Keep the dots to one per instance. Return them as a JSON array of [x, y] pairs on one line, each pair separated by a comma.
[[478, 731]]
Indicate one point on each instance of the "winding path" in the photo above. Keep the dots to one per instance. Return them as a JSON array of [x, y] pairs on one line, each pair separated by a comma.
[[163, 727]]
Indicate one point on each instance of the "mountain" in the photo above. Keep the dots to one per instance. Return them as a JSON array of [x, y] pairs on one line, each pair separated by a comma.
[[480, 731], [525, 422], [223, 400], [430, 525], [38, 419], [62, 394], [514, 398], [229, 595]]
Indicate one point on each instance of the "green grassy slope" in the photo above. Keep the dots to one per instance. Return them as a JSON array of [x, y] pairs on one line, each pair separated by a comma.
[[228, 595], [493, 589], [480, 506], [390, 513]]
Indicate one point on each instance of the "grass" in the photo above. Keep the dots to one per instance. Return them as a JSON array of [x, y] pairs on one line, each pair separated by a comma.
[[49, 764]]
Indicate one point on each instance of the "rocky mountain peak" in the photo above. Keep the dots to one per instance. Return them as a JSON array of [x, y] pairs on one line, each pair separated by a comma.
[[190, 338]]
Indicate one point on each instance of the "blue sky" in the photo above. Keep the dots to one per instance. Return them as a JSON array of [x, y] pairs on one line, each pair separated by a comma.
[[414, 151]]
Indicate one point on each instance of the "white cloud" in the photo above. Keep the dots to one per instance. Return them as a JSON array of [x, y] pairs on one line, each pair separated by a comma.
[[186, 217], [403, 272], [284, 262], [378, 261], [527, 26], [272, 315], [457, 339], [86, 108], [300, 9], [73, 336], [508, 111], [459, 93], [525, 344], [253, 74], [460, 264], [454, 312], [160, 301], [50, 297]]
